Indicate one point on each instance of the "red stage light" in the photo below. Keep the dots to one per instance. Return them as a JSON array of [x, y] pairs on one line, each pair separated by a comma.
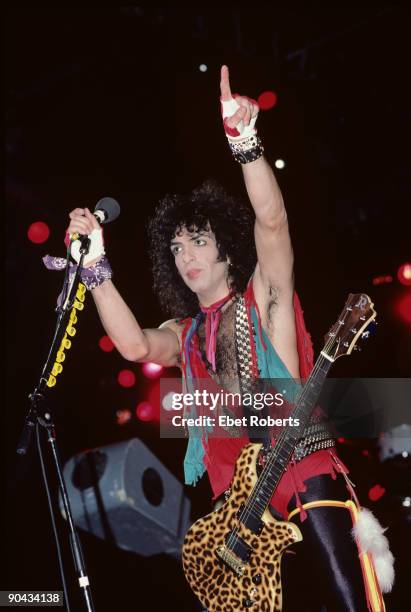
[[145, 411], [404, 307], [267, 100], [404, 274], [106, 344], [123, 416], [153, 397], [126, 378], [376, 492], [152, 370], [38, 232], [382, 280]]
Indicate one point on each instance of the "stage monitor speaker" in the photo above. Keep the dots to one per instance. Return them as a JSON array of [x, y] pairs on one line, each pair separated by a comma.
[[122, 493]]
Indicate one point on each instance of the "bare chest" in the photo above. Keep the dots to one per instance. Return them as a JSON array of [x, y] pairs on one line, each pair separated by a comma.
[[226, 354]]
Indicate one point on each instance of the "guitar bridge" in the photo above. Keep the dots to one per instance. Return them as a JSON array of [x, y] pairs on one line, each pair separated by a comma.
[[231, 560]]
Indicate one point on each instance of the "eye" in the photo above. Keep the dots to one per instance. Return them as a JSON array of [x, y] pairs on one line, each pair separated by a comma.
[[200, 242], [175, 249]]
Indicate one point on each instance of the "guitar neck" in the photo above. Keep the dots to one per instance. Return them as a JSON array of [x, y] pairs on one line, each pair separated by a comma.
[[286, 442]]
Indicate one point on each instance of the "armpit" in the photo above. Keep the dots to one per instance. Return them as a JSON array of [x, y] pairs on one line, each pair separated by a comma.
[[272, 303]]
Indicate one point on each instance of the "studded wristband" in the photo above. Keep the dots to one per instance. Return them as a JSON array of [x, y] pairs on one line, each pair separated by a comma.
[[246, 150]]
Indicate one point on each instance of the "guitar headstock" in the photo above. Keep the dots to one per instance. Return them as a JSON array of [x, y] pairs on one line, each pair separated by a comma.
[[351, 326]]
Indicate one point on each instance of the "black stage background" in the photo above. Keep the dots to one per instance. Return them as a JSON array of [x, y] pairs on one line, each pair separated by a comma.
[[111, 101]]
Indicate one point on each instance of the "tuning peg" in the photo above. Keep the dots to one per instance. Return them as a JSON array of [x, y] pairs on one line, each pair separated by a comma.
[[369, 331], [357, 348]]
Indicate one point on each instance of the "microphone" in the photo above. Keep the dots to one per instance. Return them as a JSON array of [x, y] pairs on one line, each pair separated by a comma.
[[105, 211]]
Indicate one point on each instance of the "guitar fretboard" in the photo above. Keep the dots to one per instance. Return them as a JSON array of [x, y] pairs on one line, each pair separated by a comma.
[[285, 445]]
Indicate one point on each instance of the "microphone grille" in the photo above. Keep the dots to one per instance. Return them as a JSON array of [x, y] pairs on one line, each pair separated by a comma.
[[110, 207]]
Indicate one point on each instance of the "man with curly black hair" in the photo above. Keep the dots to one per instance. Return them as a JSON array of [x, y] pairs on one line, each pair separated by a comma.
[[213, 256], [207, 211]]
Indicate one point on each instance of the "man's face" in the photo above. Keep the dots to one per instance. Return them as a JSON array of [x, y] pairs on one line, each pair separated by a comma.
[[196, 257]]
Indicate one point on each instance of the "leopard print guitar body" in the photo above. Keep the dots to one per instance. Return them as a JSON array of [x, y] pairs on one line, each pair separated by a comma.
[[242, 571]]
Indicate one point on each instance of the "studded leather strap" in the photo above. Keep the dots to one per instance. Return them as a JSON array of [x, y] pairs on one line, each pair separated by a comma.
[[317, 435]]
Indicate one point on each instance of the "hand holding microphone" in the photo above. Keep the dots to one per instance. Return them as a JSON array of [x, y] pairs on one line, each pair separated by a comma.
[[85, 223], [96, 268]]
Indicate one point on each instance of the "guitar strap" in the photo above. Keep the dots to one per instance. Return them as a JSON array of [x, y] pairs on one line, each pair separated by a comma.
[[248, 368], [317, 435]]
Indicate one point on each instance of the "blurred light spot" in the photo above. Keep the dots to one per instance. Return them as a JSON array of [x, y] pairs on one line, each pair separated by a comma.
[[126, 378], [267, 100], [404, 307], [382, 280], [279, 163], [167, 402], [38, 232], [123, 416], [376, 492], [404, 274], [203, 67], [106, 344], [145, 411], [152, 370]]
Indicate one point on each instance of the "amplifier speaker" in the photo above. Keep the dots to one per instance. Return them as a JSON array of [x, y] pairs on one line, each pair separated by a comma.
[[122, 493]]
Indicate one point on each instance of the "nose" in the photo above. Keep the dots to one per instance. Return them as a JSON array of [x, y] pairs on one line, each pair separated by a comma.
[[187, 254]]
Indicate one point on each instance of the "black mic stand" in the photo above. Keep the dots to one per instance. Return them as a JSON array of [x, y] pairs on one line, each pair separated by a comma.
[[39, 416]]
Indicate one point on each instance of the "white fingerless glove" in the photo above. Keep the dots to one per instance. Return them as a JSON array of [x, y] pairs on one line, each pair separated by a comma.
[[96, 249], [228, 108], [243, 141]]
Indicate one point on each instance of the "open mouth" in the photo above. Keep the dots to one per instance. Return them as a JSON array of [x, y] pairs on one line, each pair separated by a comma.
[[193, 273]]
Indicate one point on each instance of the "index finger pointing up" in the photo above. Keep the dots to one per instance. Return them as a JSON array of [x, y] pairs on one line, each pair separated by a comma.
[[225, 84]]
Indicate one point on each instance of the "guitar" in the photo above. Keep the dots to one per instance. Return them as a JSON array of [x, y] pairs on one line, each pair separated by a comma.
[[232, 556]]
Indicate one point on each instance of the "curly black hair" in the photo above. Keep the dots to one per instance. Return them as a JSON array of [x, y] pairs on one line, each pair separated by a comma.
[[206, 207]]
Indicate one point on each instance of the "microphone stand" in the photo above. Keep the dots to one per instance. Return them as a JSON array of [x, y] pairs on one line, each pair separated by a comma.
[[39, 416]]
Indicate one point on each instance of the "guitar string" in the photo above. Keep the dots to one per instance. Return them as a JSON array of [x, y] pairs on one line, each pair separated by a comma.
[[276, 450], [274, 455], [246, 512]]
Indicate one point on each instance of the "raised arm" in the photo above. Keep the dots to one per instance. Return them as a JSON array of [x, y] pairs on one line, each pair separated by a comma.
[[274, 251], [134, 343]]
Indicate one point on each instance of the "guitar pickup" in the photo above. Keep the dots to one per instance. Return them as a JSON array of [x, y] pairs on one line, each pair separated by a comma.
[[250, 521], [235, 552]]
